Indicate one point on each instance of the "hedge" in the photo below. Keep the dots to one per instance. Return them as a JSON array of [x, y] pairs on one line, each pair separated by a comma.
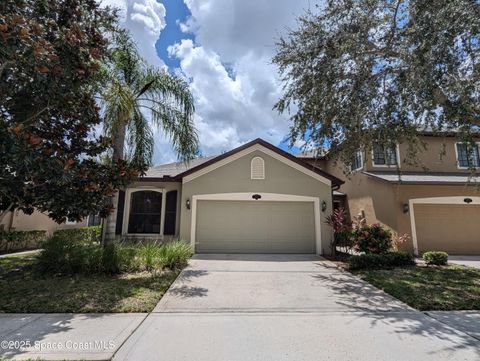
[[11, 241], [90, 234], [380, 261]]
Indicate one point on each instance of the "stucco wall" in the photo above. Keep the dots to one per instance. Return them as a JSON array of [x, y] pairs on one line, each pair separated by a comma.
[[39, 221], [235, 177], [439, 156]]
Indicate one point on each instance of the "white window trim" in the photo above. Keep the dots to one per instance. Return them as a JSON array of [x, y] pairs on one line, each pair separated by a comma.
[[397, 149], [253, 148], [263, 168], [456, 154], [126, 211], [362, 161], [266, 197], [434, 200]]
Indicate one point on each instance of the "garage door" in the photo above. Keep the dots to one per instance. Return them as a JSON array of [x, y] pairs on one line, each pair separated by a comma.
[[454, 228], [255, 227]]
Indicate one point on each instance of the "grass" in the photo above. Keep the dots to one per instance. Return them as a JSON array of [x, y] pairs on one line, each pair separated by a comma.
[[445, 288], [24, 289]]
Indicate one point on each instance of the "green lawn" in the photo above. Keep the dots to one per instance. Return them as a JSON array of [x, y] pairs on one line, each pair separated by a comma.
[[430, 288], [24, 290]]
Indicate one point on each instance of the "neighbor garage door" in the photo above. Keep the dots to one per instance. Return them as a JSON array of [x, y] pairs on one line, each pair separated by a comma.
[[255, 227], [453, 228]]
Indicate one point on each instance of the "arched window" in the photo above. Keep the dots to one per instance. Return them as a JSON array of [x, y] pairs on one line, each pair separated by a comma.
[[145, 212], [257, 168]]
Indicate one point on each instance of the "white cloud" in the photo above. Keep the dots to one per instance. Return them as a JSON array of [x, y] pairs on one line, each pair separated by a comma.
[[234, 83], [145, 19]]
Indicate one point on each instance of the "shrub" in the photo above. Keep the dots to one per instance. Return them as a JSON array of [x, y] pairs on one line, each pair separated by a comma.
[[379, 261], [118, 258], [372, 239], [435, 258], [81, 234], [19, 240], [68, 256], [341, 227], [175, 254], [149, 255]]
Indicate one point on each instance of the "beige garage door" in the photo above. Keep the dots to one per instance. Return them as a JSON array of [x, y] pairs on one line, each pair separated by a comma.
[[255, 227], [453, 228]]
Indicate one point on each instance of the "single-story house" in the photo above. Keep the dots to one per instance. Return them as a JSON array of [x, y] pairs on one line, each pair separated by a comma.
[[256, 198]]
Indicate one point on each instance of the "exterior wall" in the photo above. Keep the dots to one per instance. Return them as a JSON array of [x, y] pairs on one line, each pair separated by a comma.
[[234, 177], [439, 156], [383, 202], [168, 186], [38, 221], [365, 195]]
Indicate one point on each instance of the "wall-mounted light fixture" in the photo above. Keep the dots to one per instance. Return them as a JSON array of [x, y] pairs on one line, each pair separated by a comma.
[[405, 207], [187, 203], [468, 200], [324, 206]]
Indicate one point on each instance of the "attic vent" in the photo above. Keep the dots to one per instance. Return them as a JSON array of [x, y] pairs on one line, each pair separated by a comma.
[[258, 168]]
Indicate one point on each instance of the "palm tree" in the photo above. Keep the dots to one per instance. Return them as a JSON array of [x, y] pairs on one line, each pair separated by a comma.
[[138, 98]]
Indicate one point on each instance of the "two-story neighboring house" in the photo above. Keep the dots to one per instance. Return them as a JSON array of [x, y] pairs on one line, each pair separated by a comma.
[[437, 203]]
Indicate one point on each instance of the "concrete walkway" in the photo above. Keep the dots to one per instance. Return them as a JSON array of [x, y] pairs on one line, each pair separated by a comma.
[[65, 336], [259, 307], [22, 253], [469, 261]]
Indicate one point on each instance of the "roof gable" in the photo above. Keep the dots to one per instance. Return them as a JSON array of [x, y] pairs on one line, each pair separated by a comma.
[[265, 147]]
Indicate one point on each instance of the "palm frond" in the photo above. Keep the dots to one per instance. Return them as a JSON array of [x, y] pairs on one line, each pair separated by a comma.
[[177, 127], [118, 107], [140, 140]]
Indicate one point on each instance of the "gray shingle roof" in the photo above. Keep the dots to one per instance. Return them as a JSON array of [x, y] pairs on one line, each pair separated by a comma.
[[426, 177], [174, 169]]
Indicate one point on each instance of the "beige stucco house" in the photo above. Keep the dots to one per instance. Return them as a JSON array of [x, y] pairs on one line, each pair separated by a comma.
[[253, 199], [17, 220], [258, 198], [436, 202]]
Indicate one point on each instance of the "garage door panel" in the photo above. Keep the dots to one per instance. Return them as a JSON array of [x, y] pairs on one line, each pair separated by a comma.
[[255, 227], [453, 228]]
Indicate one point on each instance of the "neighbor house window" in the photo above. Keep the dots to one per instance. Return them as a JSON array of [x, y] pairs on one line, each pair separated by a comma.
[[145, 212], [357, 161], [257, 168], [170, 213], [384, 156], [467, 155]]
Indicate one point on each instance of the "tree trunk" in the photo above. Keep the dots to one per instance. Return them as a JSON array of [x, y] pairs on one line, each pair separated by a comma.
[[5, 212], [108, 232]]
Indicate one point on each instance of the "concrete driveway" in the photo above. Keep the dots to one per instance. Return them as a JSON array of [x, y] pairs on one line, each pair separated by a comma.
[[287, 307]]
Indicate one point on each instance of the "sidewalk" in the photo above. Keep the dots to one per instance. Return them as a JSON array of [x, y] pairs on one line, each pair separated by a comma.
[[16, 254], [65, 336]]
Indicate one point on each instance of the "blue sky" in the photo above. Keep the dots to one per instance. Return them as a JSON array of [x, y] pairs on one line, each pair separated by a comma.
[[177, 12], [224, 49]]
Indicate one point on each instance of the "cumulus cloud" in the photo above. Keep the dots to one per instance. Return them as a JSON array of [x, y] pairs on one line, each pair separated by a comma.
[[145, 19], [229, 65]]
